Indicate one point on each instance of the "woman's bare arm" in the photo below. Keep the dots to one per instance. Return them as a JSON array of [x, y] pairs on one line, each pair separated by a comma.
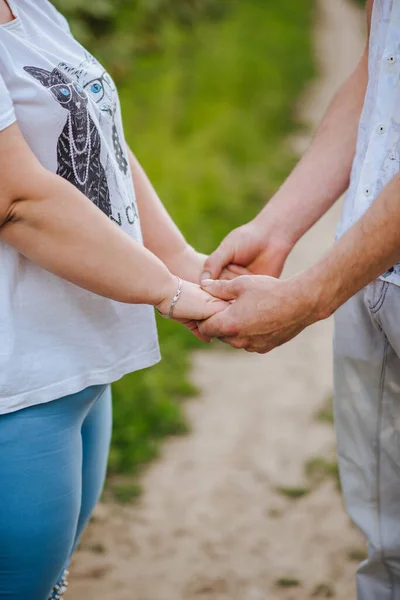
[[53, 224], [160, 234]]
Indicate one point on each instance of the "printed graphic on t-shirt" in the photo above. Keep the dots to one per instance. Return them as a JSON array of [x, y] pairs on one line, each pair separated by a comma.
[[98, 84], [79, 146]]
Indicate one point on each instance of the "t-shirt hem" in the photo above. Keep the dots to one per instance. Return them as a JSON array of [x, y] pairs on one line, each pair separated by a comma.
[[76, 384]]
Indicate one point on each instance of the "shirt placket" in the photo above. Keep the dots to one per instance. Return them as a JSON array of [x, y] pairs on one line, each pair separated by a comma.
[[381, 116]]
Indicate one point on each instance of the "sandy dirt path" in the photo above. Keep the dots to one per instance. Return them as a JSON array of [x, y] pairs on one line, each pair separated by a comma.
[[214, 522]]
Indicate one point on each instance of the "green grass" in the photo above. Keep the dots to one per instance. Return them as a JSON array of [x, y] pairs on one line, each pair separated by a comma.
[[357, 554], [293, 492], [323, 590], [208, 102], [288, 582], [126, 492], [325, 413], [317, 469], [96, 548], [208, 117]]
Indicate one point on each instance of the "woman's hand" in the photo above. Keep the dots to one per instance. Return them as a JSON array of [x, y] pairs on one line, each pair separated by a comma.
[[194, 305]]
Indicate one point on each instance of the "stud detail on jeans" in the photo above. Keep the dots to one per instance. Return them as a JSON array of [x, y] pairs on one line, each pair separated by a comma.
[[60, 588]]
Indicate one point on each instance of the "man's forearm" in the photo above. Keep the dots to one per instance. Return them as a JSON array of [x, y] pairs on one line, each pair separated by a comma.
[[368, 249], [322, 175]]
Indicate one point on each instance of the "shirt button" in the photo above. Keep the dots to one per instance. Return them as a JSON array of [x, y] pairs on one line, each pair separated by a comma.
[[391, 59], [381, 129], [367, 191]]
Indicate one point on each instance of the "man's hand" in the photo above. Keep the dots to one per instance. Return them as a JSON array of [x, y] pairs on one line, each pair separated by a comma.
[[265, 312], [254, 246], [188, 265]]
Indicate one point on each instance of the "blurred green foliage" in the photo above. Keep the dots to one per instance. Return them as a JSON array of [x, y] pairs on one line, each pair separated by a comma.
[[117, 30], [208, 91]]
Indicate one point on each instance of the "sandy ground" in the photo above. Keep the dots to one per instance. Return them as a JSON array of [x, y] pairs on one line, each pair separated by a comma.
[[214, 522]]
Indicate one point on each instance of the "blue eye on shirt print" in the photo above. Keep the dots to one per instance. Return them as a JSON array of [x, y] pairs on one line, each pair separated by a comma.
[[102, 90], [96, 88]]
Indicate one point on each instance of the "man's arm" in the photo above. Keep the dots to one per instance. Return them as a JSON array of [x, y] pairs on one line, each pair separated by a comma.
[[364, 252], [269, 312], [319, 179]]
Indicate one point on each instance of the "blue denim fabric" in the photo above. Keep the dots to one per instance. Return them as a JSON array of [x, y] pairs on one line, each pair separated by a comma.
[[53, 459]]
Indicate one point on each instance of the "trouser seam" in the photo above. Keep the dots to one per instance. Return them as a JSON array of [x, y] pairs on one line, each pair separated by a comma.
[[378, 467]]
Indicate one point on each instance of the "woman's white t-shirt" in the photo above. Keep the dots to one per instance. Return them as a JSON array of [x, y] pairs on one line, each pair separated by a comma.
[[56, 338]]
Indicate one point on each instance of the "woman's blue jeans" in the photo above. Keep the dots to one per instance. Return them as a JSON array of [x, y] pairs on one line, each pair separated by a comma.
[[53, 460]]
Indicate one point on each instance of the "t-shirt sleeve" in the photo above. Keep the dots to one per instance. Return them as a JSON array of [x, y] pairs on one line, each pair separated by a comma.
[[7, 113], [58, 17], [64, 23]]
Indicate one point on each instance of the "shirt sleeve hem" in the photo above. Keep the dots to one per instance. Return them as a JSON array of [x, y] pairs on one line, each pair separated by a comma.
[[7, 119]]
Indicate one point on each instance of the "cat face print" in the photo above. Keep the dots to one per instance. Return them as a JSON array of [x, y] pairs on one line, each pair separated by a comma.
[[70, 94], [95, 81], [101, 90]]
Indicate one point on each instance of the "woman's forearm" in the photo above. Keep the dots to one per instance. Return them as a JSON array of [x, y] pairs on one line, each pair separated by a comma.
[[160, 234], [53, 224]]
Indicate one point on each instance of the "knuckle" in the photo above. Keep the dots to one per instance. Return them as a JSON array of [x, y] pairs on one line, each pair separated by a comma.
[[225, 247], [232, 235], [238, 344], [204, 329], [231, 329], [237, 286], [227, 275], [218, 259], [215, 289], [242, 283], [265, 348], [208, 261]]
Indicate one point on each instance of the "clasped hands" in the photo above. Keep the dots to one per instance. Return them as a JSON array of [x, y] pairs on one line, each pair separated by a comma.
[[244, 303]]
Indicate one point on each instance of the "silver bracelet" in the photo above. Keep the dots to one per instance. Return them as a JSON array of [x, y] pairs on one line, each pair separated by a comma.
[[174, 300]]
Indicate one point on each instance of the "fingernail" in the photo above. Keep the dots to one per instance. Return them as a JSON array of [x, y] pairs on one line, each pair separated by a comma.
[[205, 275], [207, 282]]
